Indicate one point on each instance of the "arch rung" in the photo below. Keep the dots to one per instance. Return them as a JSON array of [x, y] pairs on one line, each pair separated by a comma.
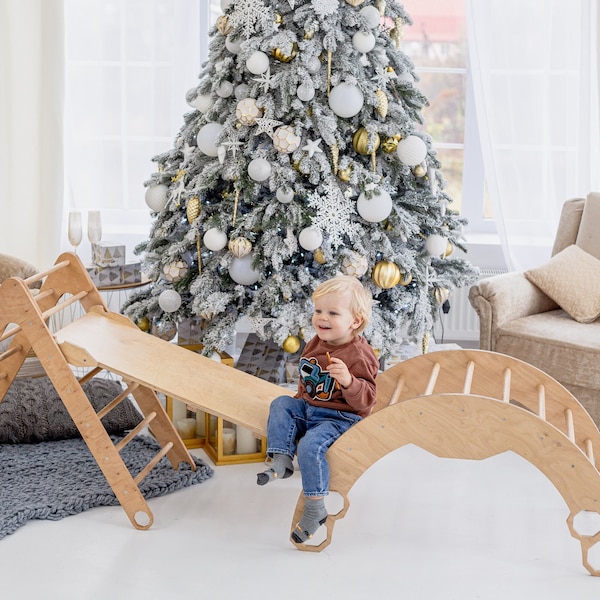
[[570, 424], [469, 377], [62, 305], [397, 390], [506, 385], [432, 379], [589, 450], [541, 402]]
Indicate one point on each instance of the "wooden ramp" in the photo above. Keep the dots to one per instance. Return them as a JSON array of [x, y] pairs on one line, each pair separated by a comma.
[[466, 404]]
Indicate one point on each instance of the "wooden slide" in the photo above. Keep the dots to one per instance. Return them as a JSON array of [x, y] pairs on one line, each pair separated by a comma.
[[458, 404]]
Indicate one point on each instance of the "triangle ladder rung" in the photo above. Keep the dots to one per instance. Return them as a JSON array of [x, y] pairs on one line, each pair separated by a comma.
[[137, 429], [153, 462]]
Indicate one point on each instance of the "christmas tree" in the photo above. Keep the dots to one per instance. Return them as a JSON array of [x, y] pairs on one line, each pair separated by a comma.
[[304, 157]]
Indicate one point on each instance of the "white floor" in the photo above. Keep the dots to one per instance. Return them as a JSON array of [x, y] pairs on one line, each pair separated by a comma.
[[418, 527]]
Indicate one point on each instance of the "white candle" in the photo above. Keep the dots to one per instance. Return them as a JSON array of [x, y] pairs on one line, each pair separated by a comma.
[[186, 428], [228, 440], [246, 441]]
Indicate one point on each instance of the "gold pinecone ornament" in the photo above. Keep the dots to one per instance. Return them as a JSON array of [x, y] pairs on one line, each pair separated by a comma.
[[192, 210]]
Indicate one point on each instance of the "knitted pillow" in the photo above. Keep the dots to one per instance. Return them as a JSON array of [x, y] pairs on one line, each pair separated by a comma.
[[572, 279], [32, 411]]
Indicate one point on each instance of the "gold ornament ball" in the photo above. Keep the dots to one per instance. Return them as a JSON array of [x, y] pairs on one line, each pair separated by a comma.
[[386, 274], [345, 174], [291, 344], [285, 58], [390, 144], [192, 210], [319, 256], [441, 294], [405, 278], [240, 247], [360, 141], [144, 324], [419, 171]]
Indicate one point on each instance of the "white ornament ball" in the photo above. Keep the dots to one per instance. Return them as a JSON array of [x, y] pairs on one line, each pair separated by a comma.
[[175, 271], [363, 41], [436, 245], [165, 330], [156, 197], [310, 238], [376, 208], [203, 102], [225, 89], [169, 300], [284, 196], [241, 91], [371, 16], [313, 65], [247, 111], [225, 4], [259, 169], [354, 264], [241, 270], [258, 63], [234, 46], [346, 100], [215, 239], [207, 138], [285, 139], [305, 92], [411, 150]]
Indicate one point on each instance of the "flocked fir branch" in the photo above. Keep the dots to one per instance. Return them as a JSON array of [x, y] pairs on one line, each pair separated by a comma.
[[303, 157]]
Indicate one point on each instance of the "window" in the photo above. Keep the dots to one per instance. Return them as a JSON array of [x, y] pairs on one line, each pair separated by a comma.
[[438, 46], [129, 64]]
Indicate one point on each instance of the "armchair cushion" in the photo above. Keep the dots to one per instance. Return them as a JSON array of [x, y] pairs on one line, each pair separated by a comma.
[[11, 266], [572, 279]]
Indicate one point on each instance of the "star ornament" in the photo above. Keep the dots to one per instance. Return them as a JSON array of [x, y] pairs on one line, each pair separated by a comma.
[[312, 146]]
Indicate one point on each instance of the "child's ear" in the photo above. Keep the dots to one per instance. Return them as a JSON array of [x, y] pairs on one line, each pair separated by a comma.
[[358, 321]]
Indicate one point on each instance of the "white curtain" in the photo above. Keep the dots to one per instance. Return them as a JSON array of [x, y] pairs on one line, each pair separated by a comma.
[[31, 150], [534, 69]]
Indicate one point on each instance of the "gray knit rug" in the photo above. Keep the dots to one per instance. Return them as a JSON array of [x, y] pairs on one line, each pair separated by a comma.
[[53, 480]]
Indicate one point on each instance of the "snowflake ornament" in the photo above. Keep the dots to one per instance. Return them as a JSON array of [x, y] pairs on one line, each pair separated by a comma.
[[324, 8], [247, 13], [264, 125], [334, 213]]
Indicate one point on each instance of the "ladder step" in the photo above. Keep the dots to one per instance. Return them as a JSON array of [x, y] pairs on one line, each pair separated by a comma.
[[163, 452], [114, 403], [141, 425]]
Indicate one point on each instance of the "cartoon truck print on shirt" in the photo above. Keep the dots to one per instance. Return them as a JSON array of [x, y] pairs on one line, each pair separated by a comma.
[[319, 384]]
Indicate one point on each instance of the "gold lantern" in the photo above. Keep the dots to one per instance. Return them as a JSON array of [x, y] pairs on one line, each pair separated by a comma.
[[360, 141], [386, 274]]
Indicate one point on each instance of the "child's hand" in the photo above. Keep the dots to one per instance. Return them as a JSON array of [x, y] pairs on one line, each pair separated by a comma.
[[339, 371]]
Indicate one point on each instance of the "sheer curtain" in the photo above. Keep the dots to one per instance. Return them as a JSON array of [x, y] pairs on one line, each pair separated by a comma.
[[129, 65], [534, 69], [31, 76]]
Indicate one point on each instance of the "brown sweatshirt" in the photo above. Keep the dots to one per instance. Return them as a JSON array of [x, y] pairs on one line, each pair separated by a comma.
[[319, 388]]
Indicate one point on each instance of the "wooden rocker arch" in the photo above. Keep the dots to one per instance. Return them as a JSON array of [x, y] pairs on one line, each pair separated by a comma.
[[473, 404]]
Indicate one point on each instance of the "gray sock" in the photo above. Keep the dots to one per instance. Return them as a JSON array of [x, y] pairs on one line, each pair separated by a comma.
[[281, 467], [315, 514]]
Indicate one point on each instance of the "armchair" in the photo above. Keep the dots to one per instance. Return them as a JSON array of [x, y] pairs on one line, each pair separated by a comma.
[[517, 318]]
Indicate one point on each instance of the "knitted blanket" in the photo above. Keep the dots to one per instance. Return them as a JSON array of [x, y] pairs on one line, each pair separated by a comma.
[[52, 480]]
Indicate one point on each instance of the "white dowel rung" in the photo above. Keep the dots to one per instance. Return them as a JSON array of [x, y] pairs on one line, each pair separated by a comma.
[[62, 305], [506, 386], [469, 377], [589, 450], [40, 276], [432, 379], [397, 390], [570, 425], [541, 402]]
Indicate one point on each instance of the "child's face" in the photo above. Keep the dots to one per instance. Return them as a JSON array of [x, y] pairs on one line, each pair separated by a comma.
[[333, 319]]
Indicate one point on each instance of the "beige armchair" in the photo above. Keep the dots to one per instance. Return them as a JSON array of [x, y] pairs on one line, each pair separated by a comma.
[[518, 319]]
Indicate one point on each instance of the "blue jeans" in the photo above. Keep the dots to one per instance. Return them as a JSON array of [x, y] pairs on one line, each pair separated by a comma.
[[294, 426]]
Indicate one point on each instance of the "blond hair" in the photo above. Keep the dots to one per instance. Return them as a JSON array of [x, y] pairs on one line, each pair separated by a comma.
[[361, 301]]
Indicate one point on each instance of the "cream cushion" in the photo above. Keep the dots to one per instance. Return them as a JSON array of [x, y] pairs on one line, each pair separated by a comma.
[[572, 279], [587, 237]]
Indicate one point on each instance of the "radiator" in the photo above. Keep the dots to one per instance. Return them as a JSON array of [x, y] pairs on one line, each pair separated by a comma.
[[461, 323]]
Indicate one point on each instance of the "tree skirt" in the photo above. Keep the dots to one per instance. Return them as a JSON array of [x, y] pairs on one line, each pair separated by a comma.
[[52, 480]]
